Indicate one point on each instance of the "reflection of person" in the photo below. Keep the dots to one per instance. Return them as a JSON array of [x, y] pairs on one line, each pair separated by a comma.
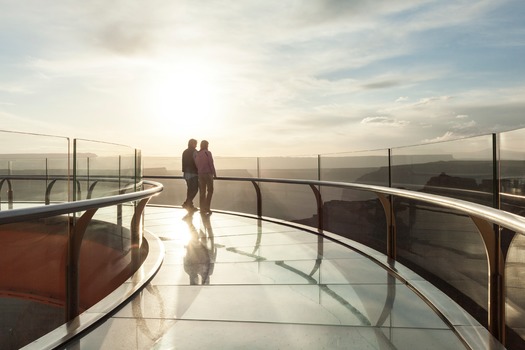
[[189, 169], [200, 253], [206, 170]]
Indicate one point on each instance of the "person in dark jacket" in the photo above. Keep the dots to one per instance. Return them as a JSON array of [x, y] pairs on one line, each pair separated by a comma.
[[189, 169]]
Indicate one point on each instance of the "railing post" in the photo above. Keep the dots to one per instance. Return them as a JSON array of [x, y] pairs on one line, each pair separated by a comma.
[[496, 200], [389, 167], [9, 193], [136, 233], [496, 278], [76, 234], [318, 167], [319, 200], [259, 199], [388, 206], [91, 189], [120, 191], [10, 196], [48, 191]]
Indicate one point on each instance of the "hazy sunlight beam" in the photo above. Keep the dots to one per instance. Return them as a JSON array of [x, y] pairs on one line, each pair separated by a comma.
[[184, 99]]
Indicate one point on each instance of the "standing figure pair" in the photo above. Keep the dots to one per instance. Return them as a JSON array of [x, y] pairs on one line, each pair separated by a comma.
[[199, 171]]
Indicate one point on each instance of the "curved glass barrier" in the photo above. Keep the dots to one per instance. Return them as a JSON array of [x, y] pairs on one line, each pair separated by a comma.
[[512, 199], [32, 282], [103, 169], [56, 261], [366, 167], [30, 164], [445, 247], [305, 168], [356, 215], [462, 169]]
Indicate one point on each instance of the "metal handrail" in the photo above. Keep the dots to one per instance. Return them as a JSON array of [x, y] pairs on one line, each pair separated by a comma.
[[53, 179], [505, 219], [24, 214], [508, 220]]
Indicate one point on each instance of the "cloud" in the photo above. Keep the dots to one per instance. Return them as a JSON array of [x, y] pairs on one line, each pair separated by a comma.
[[357, 10], [433, 99], [447, 136], [381, 120], [382, 84], [467, 125]]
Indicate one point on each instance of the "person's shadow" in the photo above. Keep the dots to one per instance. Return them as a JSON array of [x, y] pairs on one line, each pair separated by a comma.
[[200, 251]]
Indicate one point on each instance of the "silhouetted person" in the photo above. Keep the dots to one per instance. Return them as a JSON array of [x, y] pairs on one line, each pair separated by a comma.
[[206, 171], [189, 169]]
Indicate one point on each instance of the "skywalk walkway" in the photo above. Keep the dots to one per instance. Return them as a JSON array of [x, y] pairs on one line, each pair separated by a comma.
[[232, 282]]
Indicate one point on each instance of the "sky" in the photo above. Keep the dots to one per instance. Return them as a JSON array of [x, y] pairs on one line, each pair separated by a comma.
[[262, 78]]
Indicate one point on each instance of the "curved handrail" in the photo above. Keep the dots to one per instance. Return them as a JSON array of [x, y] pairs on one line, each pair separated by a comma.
[[24, 214], [508, 220], [55, 178]]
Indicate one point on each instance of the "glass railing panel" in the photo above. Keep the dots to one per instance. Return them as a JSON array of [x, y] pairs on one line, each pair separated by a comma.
[[163, 166], [103, 169], [225, 166], [357, 215], [512, 197], [367, 167], [174, 193], [295, 203], [236, 166], [33, 262], [232, 196], [57, 182], [512, 171], [445, 248], [238, 196], [288, 202], [514, 286], [105, 255], [304, 168], [128, 172], [235, 196], [28, 163], [460, 169], [28, 181], [139, 171]]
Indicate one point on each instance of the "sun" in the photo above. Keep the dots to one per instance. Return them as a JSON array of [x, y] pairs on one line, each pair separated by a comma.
[[185, 98]]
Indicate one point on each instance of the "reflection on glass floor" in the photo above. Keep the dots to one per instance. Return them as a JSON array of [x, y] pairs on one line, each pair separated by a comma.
[[231, 282]]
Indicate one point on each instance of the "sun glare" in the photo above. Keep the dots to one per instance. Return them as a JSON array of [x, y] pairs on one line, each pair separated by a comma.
[[185, 99]]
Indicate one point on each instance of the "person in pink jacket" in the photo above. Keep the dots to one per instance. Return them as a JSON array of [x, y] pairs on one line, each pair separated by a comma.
[[206, 171]]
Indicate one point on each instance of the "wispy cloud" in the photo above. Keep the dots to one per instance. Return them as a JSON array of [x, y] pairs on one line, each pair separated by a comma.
[[386, 121]]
